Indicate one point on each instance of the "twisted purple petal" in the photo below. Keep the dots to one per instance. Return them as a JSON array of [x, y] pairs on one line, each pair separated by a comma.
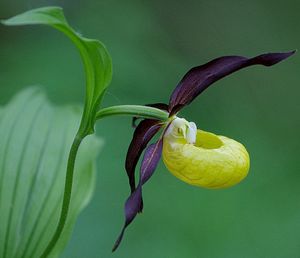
[[142, 135], [133, 203], [199, 78]]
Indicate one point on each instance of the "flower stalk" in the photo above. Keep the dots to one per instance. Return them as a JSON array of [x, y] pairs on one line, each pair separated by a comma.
[[67, 194], [133, 110]]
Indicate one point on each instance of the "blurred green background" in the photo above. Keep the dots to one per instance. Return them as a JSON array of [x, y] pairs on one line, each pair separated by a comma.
[[153, 43]]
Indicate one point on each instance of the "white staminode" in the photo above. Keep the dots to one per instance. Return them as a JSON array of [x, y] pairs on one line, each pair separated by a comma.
[[191, 133], [181, 128]]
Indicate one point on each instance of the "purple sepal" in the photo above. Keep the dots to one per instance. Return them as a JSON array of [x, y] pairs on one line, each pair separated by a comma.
[[199, 78], [132, 206]]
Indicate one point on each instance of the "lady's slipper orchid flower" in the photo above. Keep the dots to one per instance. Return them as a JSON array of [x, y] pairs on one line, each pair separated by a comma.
[[196, 157]]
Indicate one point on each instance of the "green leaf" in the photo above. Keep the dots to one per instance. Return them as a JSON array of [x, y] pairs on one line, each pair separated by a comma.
[[35, 139], [96, 59]]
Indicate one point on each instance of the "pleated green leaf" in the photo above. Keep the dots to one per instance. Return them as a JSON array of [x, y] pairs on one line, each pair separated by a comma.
[[96, 59], [35, 139]]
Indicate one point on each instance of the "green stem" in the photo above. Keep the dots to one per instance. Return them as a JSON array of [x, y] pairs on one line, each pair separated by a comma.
[[133, 110], [67, 195]]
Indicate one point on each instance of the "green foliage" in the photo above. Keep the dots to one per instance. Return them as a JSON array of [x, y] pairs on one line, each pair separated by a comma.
[[35, 138], [98, 69], [96, 59]]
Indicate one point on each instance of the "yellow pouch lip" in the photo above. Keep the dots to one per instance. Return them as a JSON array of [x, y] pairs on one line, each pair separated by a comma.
[[207, 140], [213, 162]]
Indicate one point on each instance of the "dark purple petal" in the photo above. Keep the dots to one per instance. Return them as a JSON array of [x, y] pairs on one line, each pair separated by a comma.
[[150, 160], [133, 203], [142, 135], [199, 78], [161, 106], [131, 209]]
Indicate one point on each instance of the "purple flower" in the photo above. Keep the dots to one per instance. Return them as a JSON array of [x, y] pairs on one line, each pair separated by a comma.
[[194, 82]]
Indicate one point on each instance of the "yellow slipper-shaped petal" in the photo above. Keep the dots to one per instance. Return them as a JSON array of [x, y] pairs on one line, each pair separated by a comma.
[[210, 161]]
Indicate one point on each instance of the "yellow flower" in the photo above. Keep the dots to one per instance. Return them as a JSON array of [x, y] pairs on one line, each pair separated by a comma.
[[210, 161], [194, 156]]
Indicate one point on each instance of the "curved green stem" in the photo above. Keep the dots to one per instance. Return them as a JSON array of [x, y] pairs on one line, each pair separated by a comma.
[[67, 195], [133, 110]]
